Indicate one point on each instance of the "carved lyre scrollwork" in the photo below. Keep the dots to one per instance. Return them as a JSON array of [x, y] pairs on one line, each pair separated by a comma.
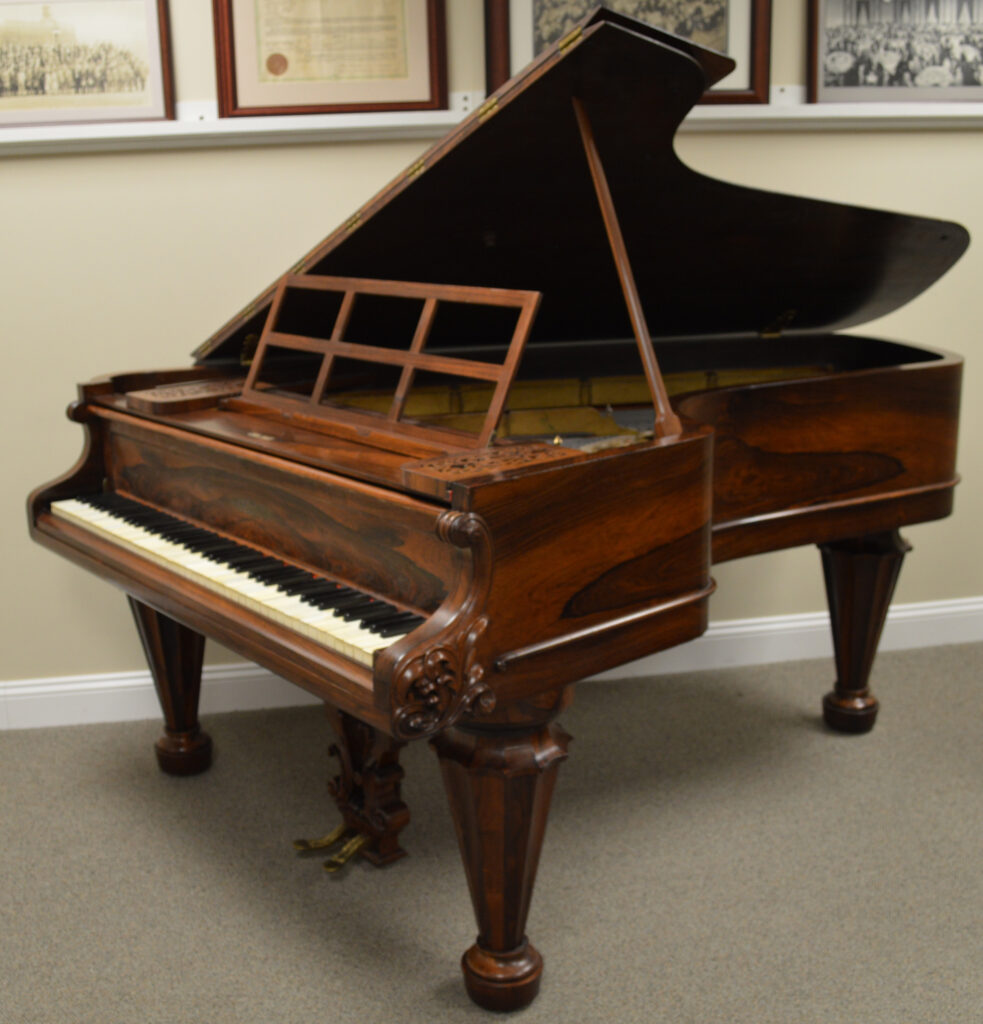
[[446, 681], [367, 787]]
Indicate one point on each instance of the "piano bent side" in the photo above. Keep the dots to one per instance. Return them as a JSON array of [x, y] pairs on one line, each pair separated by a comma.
[[852, 452]]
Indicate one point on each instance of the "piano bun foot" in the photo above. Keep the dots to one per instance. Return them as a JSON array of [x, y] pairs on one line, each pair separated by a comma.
[[184, 753], [502, 981], [856, 713], [174, 653], [499, 786], [860, 578]]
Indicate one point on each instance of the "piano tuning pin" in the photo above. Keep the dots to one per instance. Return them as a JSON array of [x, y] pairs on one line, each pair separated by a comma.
[[306, 845], [345, 854]]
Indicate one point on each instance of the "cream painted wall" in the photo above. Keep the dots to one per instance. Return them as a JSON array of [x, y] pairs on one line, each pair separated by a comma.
[[128, 260]]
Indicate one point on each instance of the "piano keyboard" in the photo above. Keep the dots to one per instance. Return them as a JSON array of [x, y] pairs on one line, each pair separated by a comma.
[[347, 620]]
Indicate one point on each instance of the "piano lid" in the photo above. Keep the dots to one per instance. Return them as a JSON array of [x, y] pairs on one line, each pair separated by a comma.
[[507, 201]]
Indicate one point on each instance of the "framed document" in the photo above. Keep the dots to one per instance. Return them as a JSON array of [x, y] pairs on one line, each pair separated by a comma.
[[64, 61], [329, 56], [895, 51], [739, 28]]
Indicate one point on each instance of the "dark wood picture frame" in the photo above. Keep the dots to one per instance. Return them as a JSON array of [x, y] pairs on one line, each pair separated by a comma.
[[229, 91], [818, 92], [498, 58], [161, 107]]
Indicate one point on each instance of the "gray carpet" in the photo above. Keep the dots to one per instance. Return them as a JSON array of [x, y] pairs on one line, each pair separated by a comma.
[[714, 855]]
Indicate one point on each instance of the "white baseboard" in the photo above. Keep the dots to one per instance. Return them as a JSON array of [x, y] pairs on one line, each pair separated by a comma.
[[124, 696]]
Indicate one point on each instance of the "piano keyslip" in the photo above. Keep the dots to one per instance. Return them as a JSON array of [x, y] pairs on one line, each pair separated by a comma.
[[343, 618]]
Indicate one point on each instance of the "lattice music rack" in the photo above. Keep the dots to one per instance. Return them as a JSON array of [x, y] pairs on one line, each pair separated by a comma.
[[410, 360]]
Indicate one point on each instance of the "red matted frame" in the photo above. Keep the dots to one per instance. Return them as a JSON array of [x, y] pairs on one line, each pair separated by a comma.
[[228, 91], [758, 63]]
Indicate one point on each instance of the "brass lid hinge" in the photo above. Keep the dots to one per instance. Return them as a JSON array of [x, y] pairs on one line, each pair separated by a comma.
[[568, 40]]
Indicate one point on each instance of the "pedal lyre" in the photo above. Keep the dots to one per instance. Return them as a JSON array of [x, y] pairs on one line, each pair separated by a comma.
[[366, 790]]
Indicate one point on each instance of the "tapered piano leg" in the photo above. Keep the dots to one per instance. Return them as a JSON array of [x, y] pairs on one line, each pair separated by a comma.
[[860, 577], [499, 785], [174, 653]]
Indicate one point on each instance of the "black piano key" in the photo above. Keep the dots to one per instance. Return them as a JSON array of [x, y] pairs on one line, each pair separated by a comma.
[[274, 575], [355, 600], [300, 587], [379, 625], [246, 559], [107, 500], [267, 566], [322, 599], [179, 529], [318, 585], [381, 611], [221, 552], [137, 515], [400, 627], [397, 618], [299, 577], [196, 539], [295, 576], [215, 545], [211, 543], [353, 612], [339, 597]]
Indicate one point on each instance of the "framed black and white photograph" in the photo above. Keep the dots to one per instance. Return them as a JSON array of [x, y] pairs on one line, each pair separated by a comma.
[[739, 28], [64, 61], [874, 51], [329, 56]]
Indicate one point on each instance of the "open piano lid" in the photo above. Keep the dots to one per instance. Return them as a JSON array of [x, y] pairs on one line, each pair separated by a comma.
[[507, 201]]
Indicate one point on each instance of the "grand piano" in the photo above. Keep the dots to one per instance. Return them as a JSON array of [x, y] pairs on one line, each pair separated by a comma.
[[488, 438]]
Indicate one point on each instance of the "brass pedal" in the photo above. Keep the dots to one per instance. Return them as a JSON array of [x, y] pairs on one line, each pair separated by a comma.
[[309, 845], [345, 854]]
